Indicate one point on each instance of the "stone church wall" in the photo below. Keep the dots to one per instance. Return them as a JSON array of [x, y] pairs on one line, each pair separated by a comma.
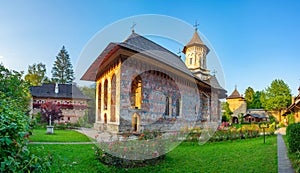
[[157, 84]]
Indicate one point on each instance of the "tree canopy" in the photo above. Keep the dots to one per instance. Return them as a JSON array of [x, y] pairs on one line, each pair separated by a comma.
[[249, 96], [256, 103], [50, 109], [36, 74], [62, 71], [254, 98], [227, 113], [91, 93], [277, 96]]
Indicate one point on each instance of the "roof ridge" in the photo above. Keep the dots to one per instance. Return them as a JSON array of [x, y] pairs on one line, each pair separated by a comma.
[[134, 34], [235, 94]]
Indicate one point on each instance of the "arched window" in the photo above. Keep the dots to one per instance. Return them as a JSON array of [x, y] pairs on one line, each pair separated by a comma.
[[136, 93], [99, 101], [168, 105], [177, 107], [205, 106], [105, 94], [113, 99]]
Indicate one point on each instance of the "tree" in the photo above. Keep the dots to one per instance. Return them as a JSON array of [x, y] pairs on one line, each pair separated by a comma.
[[226, 111], [15, 126], [62, 71], [256, 103], [249, 94], [91, 93], [50, 109], [277, 96], [36, 74]]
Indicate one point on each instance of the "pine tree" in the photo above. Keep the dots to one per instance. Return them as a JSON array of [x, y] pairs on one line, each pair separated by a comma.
[[62, 71]]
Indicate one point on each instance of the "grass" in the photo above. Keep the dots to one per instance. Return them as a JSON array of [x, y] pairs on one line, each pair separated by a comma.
[[294, 157], [71, 158], [39, 135], [249, 155]]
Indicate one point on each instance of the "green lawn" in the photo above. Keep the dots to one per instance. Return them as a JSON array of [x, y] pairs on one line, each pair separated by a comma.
[[249, 155], [39, 135]]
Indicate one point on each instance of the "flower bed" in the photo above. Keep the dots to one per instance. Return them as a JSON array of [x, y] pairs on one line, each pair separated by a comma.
[[147, 148], [126, 153], [234, 132], [112, 160]]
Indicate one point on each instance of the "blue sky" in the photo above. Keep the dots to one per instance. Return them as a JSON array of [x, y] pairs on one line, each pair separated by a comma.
[[256, 41]]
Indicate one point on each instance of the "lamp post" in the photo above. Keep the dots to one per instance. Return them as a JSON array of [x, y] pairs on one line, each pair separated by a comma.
[[264, 126]]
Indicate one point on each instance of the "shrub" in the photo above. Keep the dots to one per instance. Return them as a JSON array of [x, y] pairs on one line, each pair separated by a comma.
[[84, 121], [297, 161], [148, 149], [293, 137], [109, 159], [291, 118], [50, 110], [281, 124], [15, 126]]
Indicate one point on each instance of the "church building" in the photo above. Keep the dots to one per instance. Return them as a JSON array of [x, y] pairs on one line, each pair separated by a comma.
[[142, 85]]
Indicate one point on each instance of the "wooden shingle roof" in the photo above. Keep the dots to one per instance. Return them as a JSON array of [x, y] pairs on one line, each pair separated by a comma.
[[195, 41], [235, 94], [140, 44], [64, 91]]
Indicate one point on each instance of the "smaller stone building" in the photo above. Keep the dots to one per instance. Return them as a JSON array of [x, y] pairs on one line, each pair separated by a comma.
[[73, 103], [237, 104], [256, 115]]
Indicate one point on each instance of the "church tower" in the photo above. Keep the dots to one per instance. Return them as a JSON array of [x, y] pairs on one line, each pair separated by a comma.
[[195, 56]]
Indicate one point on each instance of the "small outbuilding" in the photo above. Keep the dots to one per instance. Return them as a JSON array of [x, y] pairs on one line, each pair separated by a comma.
[[256, 115]]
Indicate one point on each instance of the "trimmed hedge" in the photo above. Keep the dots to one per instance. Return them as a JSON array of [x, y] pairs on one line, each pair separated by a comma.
[[293, 137]]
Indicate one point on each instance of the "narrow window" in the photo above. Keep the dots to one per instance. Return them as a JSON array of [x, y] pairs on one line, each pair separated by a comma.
[[136, 93], [99, 101], [191, 60], [167, 111], [168, 106], [105, 94], [113, 99], [177, 107]]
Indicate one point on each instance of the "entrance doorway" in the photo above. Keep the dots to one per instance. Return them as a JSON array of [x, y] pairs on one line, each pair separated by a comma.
[[105, 118], [135, 122], [235, 120]]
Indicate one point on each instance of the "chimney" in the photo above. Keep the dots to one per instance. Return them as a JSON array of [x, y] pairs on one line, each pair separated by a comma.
[[56, 88]]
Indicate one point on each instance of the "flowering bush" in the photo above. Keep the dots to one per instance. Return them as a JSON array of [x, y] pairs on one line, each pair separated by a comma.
[[110, 159], [149, 147], [146, 134]]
